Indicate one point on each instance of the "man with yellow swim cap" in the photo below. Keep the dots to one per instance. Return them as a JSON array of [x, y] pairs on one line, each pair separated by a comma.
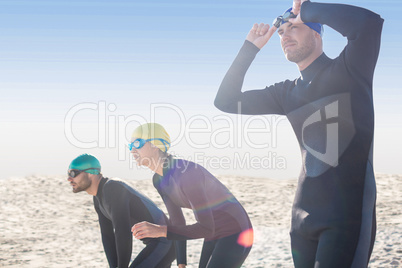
[[221, 219], [145, 141], [153, 133]]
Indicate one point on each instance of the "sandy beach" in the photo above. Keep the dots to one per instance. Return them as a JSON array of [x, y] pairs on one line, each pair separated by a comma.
[[43, 224]]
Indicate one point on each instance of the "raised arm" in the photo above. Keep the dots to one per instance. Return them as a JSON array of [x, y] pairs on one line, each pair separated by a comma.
[[230, 97], [360, 26]]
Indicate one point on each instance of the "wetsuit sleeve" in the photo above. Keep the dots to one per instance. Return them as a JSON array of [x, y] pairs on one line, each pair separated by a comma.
[[117, 199], [194, 190], [230, 97], [362, 28], [176, 217], [107, 233]]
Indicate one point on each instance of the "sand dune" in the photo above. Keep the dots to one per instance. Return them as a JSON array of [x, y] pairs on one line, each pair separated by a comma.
[[43, 224]]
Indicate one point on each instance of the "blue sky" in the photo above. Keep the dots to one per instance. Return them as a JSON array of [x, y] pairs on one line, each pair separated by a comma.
[[130, 55]]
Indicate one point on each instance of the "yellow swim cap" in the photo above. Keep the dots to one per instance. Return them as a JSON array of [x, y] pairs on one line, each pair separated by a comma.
[[152, 131]]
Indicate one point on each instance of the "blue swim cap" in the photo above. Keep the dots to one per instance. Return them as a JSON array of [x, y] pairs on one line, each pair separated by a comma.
[[313, 25], [86, 161]]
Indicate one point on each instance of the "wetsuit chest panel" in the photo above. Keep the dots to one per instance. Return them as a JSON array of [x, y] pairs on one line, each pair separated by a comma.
[[318, 127], [176, 194], [169, 186], [105, 212], [104, 208]]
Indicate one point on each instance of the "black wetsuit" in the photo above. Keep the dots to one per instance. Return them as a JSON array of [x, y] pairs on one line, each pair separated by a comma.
[[221, 219], [330, 108], [119, 207]]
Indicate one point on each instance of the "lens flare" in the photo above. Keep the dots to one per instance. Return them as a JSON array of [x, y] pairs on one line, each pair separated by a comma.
[[246, 238]]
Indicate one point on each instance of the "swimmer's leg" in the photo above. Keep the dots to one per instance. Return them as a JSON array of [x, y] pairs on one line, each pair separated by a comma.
[[350, 248], [303, 251], [206, 253], [159, 253], [228, 253]]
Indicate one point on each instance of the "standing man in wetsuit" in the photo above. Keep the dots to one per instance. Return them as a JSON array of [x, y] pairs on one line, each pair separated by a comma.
[[119, 206], [330, 107]]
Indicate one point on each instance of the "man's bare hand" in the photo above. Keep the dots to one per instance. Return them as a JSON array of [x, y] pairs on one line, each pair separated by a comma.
[[260, 34], [296, 10], [145, 229]]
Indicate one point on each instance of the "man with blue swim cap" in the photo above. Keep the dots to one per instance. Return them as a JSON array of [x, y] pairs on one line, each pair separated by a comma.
[[330, 108], [119, 207], [290, 15]]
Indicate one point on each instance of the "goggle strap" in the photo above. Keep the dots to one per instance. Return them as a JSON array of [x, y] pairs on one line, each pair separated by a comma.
[[142, 142]]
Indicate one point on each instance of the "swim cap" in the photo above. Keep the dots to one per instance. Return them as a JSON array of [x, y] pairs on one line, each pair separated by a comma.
[[152, 131], [86, 161], [313, 25]]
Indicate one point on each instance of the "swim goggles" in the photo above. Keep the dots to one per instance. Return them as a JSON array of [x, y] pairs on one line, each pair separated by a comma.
[[284, 18], [75, 172], [139, 143]]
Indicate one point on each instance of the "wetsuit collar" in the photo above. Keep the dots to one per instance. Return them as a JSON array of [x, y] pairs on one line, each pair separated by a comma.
[[167, 170], [308, 74], [100, 187], [167, 165]]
